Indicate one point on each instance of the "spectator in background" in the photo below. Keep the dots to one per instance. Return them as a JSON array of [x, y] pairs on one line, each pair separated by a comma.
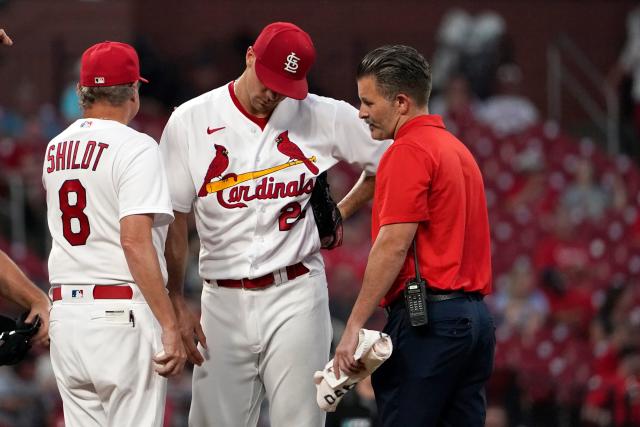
[[562, 263], [615, 400], [69, 105], [508, 112], [474, 45], [583, 198], [451, 40], [614, 185], [531, 190], [628, 64], [613, 394], [201, 69], [456, 104], [521, 307], [21, 400], [610, 330], [485, 51]]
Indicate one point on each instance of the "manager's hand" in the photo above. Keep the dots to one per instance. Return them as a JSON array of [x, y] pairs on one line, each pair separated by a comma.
[[190, 329], [170, 361]]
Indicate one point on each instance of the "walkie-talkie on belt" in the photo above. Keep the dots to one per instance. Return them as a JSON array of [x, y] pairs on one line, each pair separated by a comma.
[[415, 295]]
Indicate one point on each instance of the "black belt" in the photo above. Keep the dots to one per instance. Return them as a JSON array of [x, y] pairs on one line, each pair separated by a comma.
[[444, 296], [437, 296]]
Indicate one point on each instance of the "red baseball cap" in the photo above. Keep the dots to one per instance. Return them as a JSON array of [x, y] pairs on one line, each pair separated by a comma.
[[110, 64], [284, 55]]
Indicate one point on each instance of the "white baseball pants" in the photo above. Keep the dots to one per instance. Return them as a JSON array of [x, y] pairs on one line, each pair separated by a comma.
[[261, 343], [101, 352]]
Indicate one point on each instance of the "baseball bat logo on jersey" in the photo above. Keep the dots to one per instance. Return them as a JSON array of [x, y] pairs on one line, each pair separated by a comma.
[[268, 188]]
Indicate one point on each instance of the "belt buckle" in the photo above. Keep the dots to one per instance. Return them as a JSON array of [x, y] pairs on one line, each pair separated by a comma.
[[282, 276]]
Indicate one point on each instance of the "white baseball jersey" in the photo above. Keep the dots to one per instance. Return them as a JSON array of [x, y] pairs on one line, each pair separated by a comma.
[[96, 172], [250, 186]]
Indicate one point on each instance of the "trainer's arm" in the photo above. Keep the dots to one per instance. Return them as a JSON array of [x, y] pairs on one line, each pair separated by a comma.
[[175, 252], [360, 194], [142, 259], [387, 256], [16, 287]]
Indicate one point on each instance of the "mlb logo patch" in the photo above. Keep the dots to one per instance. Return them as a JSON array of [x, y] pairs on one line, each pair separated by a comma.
[[77, 293], [98, 80], [86, 124]]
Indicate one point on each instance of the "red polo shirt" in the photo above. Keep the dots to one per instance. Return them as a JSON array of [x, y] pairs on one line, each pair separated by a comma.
[[429, 177]]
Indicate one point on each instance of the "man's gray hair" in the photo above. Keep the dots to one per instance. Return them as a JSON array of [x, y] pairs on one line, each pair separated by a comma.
[[114, 95]]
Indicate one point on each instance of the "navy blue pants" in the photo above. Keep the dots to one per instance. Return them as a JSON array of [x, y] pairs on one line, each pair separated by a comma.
[[436, 373]]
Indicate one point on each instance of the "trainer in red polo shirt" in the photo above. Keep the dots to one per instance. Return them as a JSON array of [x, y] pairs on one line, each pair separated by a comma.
[[428, 190], [429, 177]]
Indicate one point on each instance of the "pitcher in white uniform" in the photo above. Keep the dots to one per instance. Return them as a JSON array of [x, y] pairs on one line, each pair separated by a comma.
[[245, 157], [114, 335]]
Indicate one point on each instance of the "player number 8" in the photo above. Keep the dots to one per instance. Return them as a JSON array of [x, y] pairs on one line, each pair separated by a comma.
[[69, 212]]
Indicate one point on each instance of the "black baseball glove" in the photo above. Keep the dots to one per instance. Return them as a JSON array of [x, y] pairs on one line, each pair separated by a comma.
[[15, 338], [326, 213]]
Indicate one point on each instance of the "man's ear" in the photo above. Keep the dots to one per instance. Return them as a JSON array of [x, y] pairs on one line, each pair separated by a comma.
[[250, 57], [403, 102], [136, 91]]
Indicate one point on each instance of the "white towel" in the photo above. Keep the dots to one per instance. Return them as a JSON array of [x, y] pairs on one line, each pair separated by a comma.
[[373, 348]]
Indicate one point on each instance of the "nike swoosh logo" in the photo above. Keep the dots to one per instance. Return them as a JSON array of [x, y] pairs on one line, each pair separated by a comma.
[[210, 131]]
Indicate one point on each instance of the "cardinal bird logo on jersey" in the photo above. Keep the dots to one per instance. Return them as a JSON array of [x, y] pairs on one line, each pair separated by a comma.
[[218, 165], [290, 149]]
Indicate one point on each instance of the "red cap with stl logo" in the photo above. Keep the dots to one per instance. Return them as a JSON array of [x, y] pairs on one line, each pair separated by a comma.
[[284, 55], [110, 64]]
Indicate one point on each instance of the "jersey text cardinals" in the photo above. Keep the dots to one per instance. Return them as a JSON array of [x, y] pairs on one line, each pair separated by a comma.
[[250, 186]]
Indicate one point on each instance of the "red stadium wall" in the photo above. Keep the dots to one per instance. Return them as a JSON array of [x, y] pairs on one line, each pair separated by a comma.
[[49, 34]]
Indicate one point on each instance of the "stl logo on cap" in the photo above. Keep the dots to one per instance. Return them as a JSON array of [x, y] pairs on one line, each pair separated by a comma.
[[292, 63], [284, 54]]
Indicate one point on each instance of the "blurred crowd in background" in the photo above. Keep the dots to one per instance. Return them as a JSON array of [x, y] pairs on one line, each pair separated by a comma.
[[565, 224]]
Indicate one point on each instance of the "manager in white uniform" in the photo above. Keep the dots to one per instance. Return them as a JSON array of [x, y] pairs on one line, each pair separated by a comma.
[[114, 334]]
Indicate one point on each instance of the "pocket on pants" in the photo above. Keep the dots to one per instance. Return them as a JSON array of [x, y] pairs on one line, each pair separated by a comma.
[[458, 327], [113, 315]]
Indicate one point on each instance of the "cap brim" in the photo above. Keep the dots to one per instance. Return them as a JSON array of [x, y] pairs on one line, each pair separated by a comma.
[[296, 89], [143, 80]]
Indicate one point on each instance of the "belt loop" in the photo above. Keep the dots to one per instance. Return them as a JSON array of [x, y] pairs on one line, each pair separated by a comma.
[[211, 283]]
